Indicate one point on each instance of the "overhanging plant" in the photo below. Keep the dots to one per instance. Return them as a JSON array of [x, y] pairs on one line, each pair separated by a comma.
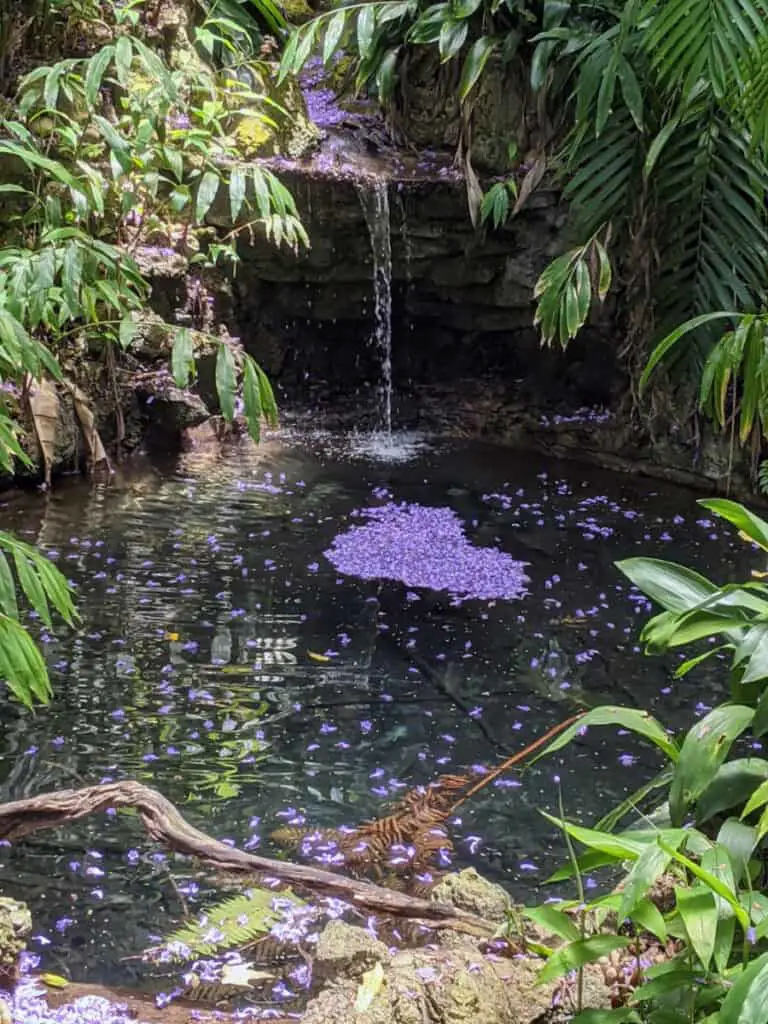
[[699, 951]]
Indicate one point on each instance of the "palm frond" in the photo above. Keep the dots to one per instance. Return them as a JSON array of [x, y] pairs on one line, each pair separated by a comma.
[[692, 40], [753, 98], [711, 190], [232, 924], [602, 173]]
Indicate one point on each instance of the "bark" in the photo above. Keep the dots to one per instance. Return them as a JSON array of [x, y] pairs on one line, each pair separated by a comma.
[[165, 825]]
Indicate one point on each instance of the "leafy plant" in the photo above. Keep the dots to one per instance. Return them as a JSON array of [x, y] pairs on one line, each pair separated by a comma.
[[687, 927], [21, 665]]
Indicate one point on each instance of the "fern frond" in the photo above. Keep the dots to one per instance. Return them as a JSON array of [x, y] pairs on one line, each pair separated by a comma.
[[602, 173], [753, 99], [692, 40], [711, 191], [233, 923]]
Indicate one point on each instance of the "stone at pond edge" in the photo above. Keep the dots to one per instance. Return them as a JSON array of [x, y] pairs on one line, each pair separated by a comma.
[[15, 926], [467, 890], [345, 950], [426, 986]]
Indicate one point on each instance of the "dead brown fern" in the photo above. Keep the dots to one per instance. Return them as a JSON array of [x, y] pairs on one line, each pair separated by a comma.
[[410, 841]]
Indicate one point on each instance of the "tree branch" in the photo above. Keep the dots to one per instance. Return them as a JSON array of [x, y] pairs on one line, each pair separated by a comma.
[[165, 825]]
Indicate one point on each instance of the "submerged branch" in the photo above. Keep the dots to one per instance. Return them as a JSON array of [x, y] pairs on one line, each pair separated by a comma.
[[165, 825]]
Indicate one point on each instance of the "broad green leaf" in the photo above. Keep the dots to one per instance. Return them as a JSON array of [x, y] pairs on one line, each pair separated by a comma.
[[366, 23], [704, 749], [226, 381], [333, 34], [252, 399], [464, 8], [673, 980], [182, 358], [605, 97], [605, 271], [453, 35], [21, 664], [747, 1001], [8, 603], [553, 920], [726, 933], [757, 799], [237, 186], [576, 954], [760, 721], [94, 76], [712, 882], [699, 914], [675, 587], [658, 144], [474, 62], [604, 842], [123, 59], [731, 786], [752, 526], [739, 840], [649, 917], [127, 333], [631, 91], [589, 861], [651, 863], [206, 193], [32, 587], [674, 336], [623, 718]]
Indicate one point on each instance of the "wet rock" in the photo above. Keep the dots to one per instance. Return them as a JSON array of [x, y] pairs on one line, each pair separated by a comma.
[[468, 890], [447, 986], [15, 926], [344, 950]]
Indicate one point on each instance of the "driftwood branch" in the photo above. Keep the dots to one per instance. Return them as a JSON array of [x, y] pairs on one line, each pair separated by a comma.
[[165, 825]]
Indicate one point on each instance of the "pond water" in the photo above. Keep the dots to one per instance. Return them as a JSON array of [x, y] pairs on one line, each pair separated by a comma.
[[225, 661]]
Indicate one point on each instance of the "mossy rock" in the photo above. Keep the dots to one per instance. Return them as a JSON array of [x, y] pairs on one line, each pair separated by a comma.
[[297, 11], [255, 137]]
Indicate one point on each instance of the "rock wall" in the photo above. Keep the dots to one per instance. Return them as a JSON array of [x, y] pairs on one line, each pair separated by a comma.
[[462, 310]]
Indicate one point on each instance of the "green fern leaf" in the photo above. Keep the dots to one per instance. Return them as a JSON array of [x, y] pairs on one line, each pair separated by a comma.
[[233, 923]]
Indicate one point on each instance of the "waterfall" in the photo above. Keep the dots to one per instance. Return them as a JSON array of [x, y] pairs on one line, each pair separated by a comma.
[[374, 198]]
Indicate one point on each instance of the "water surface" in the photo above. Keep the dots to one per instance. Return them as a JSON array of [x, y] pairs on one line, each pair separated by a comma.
[[204, 594]]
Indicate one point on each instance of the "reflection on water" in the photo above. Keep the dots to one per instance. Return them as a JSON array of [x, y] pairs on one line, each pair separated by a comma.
[[223, 660]]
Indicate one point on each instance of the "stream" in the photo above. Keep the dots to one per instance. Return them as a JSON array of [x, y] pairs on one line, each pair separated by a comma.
[[224, 660]]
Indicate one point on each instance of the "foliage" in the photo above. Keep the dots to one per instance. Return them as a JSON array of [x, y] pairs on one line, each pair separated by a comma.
[[660, 139], [233, 923], [21, 664], [688, 926], [113, 150], [498, 201], [470, 32], [105, 156]]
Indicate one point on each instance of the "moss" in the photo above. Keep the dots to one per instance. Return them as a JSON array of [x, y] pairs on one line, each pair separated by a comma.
[[297, 11], [254, 137], [15, 926], [342, 69]]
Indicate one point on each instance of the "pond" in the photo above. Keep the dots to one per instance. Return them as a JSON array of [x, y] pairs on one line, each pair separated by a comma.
[[224, 659]]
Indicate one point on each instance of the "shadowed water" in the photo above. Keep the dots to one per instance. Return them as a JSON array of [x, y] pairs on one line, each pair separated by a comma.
[[225, 661]]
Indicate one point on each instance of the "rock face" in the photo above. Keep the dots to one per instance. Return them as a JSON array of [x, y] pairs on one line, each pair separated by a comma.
[[15, 926], [462, 308], [450, 985]]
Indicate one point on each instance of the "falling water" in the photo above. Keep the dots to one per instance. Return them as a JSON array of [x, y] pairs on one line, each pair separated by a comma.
[[374, 198]]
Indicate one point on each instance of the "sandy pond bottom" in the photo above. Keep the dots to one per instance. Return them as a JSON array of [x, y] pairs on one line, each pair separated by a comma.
[[224, 659]]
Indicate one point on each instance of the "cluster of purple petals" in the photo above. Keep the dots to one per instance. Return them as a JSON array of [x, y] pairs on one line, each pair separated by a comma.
[[425, 547], [29, 1006]]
